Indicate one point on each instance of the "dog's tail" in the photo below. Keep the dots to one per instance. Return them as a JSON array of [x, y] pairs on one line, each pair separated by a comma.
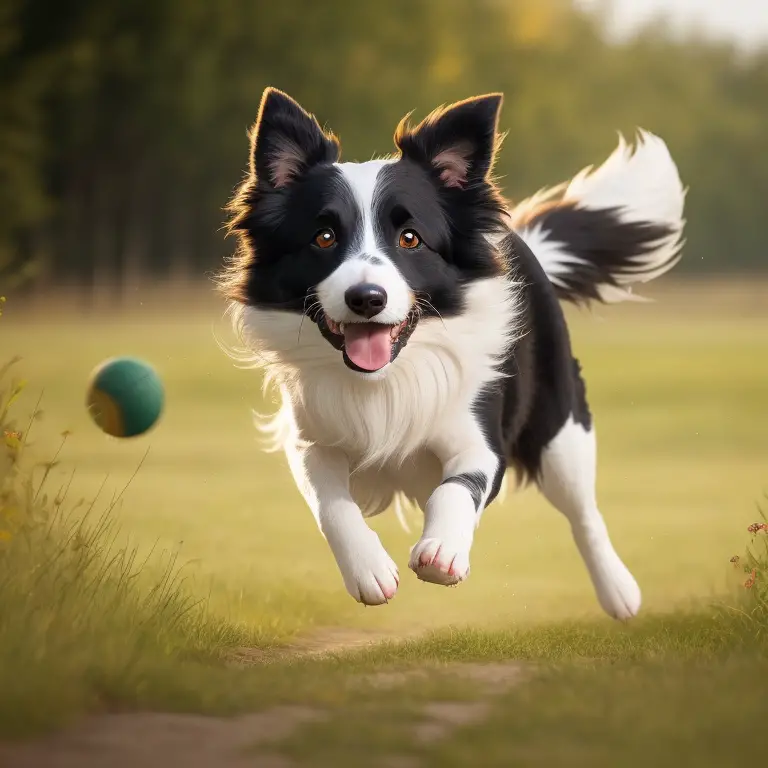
[[608, 228]]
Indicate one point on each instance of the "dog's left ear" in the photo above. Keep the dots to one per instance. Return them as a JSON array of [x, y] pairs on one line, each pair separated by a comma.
[[458, 142]]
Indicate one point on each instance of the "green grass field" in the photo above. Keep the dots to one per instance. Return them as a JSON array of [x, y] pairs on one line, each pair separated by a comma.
[[679, 390]]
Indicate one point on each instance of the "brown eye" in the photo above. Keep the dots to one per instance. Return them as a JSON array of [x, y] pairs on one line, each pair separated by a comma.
[[409, 238], [325, 238]]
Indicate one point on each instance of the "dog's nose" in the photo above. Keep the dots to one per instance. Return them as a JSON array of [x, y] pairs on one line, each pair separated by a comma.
[[366, 299]]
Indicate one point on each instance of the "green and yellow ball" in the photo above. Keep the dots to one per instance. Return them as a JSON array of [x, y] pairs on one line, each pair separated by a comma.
[[125, 396]]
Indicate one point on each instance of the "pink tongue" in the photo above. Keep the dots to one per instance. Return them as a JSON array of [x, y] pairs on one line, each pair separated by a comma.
[[368, 345]]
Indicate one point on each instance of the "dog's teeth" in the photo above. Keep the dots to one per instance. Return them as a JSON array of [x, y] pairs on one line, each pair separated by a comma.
[[340, 327]]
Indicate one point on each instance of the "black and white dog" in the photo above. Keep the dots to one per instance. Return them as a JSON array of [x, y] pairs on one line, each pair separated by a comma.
[[412, 324]]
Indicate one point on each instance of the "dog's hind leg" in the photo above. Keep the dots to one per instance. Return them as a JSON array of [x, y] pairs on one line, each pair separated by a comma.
[[567, 474]]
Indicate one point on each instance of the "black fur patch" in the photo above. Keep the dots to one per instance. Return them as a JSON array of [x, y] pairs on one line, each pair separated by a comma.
[[276, 264], [452, 250], [475, 482], [281, 265], [522, 413], [605, 246]]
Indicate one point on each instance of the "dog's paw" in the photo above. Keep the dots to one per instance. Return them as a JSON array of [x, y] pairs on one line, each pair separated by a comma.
[[616, 588], [439, 562], [370, 575]]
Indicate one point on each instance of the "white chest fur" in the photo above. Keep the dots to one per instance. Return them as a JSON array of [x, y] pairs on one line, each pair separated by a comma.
[[381, 422]]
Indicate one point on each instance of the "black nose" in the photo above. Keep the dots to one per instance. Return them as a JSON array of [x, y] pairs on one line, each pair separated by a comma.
[[366, 299]]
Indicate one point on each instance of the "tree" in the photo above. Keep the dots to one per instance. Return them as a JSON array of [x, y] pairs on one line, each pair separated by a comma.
[[123, 128]]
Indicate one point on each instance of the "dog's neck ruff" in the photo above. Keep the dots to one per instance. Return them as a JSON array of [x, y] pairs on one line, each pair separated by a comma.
[[386, 416]]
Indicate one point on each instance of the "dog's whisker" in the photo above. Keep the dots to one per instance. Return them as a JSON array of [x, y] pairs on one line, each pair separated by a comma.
[[423, 302], [307, 310]]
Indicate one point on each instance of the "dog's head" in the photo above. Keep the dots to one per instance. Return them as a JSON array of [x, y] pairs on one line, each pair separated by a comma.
[[366, 251]]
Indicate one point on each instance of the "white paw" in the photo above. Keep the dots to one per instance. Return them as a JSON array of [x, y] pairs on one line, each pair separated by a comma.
[[370, 575], [439, 561], [616, 588]]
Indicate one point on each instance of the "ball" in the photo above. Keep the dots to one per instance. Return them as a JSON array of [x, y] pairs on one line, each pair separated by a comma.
[[125, 396]]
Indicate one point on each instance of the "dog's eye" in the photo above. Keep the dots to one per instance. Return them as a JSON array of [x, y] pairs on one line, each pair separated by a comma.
[[409, 238], [325, 238]]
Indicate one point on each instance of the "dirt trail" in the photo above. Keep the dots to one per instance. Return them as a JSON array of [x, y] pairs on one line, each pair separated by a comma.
[[159, 740], [323, 640], [155, 740]]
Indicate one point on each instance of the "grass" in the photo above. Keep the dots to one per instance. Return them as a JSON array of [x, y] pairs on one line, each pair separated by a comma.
[[678, 394], [662, 712], [80, 615]]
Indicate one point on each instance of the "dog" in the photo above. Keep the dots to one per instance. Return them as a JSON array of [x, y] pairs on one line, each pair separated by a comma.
[[410, 319]]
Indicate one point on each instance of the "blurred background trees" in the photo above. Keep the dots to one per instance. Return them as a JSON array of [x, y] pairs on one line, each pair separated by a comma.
[[123, 124]]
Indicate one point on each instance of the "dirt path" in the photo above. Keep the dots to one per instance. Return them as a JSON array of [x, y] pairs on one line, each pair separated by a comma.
[[160, 740], [319, 642], [156, 740]]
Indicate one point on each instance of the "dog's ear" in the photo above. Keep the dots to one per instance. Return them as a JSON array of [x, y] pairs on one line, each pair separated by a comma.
[[286, 141], [458, 142]]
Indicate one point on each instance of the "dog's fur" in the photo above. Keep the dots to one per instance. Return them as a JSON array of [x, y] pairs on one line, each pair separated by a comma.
[[480, 376]]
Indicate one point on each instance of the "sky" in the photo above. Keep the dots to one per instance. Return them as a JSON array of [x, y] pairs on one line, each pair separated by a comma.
[[745, 22]]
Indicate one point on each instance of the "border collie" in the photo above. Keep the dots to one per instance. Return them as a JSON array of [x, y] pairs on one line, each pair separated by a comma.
[[411, 321]]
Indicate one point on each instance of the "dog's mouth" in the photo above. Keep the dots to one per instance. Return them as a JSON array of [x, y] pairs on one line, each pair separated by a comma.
[[367, 347]]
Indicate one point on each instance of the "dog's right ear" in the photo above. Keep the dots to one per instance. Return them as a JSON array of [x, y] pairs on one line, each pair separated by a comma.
[[286, 141]]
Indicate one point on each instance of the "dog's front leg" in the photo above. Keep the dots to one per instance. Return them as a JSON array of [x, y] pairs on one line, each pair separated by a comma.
[[472, 472], [322, 475]]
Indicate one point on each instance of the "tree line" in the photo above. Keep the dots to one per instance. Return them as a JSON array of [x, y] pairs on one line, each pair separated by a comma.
[[123, 124]]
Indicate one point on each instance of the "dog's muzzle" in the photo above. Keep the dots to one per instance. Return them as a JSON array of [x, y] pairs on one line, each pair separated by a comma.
[[366, 346]]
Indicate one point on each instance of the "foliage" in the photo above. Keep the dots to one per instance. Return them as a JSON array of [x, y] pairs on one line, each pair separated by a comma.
[[123, 124], [755, 567]]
